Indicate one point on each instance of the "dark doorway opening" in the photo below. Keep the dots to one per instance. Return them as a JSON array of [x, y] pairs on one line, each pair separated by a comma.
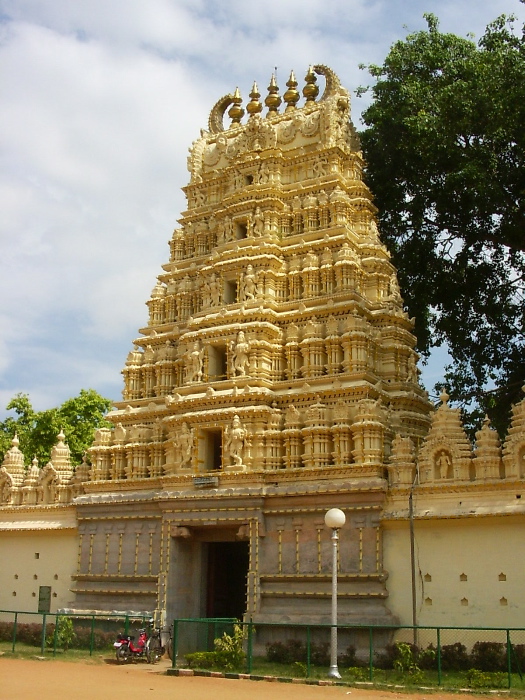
[[44, 599], [226, 580]]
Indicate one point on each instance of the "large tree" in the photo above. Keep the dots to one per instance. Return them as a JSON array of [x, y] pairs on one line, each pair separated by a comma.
[[445, 147], [37, 431]]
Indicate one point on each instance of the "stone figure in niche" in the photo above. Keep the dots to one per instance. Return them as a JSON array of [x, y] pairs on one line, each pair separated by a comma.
[[412, 370], [258, 223], [394, 291], [221, 232], [47, 490], [200, 198], [235, 441], [206, 293], [184, 444], [241, 355], [7, 486], [248, 285], [238, 181], [195, 360], [215, 290], [320, 167], [263, 176], [443, 465]]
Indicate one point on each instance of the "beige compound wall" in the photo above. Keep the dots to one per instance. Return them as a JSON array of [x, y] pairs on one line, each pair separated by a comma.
[[469, 571], [34, 558]]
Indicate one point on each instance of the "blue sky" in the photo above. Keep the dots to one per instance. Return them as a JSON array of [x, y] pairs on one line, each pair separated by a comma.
[[99, 102]]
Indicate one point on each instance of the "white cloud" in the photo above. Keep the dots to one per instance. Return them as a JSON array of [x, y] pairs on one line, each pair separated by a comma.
[[100, 102]]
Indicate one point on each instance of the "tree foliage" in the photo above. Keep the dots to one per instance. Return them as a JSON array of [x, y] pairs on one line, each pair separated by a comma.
[[37, 431], [445, 148]]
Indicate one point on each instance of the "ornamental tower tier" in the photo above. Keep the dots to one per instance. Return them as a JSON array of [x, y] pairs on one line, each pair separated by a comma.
[[277, 366]]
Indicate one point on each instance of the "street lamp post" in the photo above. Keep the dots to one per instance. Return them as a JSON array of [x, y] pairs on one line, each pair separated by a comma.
[[335, 519]]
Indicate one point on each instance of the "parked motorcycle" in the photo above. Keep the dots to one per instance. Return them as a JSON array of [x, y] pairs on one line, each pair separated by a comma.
[[148, 648]]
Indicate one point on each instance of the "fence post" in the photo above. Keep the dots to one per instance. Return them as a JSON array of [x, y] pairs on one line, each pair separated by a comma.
[[509, 661], [438, 631], [92, 636], [126, 625], [174, 644], [43, 640], [250, 648], [15, 626], [308, 651], [371, 653], [55, 636]]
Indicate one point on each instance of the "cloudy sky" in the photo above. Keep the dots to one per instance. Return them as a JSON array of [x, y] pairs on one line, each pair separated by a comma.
[[99, 102]]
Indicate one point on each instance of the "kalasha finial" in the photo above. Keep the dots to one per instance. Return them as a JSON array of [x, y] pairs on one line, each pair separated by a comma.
[[273, 101], [444, 397], [291, 96], [254, 106], [236, 112], [310, 90]]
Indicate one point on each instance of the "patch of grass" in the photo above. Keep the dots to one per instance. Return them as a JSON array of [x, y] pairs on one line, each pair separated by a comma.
[[26, 651]]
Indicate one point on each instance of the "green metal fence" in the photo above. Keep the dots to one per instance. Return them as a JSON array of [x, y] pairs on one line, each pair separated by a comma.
[[52, 631], [453, 657], [449, 657]]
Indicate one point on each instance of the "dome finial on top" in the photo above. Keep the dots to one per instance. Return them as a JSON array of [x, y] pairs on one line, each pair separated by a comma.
[[236, 112], [310, 90], [254, 106], [291, 96], [273, 100]]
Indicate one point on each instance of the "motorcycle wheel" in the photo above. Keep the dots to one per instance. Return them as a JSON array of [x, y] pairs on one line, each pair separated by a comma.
[[122, 655]]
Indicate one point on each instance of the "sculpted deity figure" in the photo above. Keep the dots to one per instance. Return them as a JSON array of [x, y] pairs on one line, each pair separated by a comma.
[[235, 440], [195, 358], [248, 288], [258, 223], [206, 293], [184, 444], [263, 176], [6, 483], [444, 464], [393, 288], [215, 290], [240, 355], [412, 370], [221, 231]]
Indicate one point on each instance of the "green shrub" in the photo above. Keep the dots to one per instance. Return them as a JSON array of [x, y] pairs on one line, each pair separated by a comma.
[[227, 656], [489, 656], [229, 649], [286, 652], [483, 679], [294, 651], [31, 633], [517, 658], [63, 635], [201, 659], [101, 640], [6, 631], [454, 657], [359, 674]]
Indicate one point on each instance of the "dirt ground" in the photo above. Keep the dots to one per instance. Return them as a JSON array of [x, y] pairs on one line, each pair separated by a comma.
[[22, 679]]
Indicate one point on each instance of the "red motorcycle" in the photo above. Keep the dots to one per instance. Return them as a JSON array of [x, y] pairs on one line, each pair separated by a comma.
[[147, 647]]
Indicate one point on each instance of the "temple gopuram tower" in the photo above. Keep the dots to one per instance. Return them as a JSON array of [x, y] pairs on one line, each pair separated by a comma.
[[277, 367]]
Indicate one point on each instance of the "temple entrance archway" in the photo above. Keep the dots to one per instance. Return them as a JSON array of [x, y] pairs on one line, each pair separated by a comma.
[[227, 570], [208, 573]]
